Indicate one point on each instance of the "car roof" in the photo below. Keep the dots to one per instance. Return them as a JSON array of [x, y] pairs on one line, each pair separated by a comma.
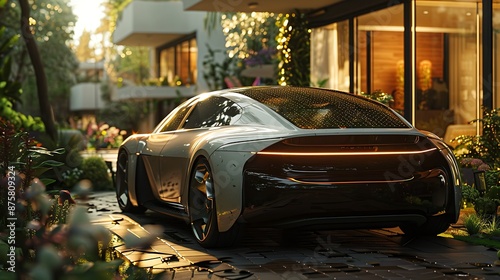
[[317, 108]]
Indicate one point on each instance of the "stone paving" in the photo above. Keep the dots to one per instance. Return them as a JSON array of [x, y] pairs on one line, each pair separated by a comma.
[[271, 254]]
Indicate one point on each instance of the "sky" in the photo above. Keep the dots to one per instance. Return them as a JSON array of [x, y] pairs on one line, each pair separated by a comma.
[[89, 14]]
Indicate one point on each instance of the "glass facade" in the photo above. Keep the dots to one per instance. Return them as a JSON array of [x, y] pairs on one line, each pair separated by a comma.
[[177, 62], [447, 64], [380, 53], [445, 44], [331, 45]]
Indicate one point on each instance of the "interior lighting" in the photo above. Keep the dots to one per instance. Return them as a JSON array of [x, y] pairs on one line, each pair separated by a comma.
[[253, 5]]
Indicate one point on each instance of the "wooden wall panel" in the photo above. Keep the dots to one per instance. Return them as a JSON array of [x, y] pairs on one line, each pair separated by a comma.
[[388, 49]]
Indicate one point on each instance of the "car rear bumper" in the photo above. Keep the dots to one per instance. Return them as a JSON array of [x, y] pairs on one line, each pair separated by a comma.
[[283, 200], [345, 191]]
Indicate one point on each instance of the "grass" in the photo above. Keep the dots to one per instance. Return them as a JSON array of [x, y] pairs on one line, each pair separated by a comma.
[[483, 240], [477, 230]]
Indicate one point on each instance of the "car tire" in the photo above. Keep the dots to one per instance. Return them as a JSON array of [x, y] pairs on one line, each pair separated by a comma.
[[202, 209], [122, 186], [433, 226]]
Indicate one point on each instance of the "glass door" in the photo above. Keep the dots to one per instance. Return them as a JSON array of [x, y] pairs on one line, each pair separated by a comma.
[[447, 67]]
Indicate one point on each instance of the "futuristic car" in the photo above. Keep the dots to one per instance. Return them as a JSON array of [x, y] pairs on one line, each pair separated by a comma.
[[289, 157]]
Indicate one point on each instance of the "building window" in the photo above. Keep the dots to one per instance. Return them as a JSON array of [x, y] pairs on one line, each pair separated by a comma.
[[177, 62], [380, 53], [447, 48], [330, 56]]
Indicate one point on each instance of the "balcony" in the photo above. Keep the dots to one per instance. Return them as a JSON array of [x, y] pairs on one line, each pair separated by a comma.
[[154, 23], [249, 6], [138, 93], [86, 96]]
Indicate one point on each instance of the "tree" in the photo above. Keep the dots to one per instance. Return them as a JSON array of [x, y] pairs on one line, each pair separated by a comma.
[[10, 91], [84, 51], [46, 29], [294, 50], [41, 79]]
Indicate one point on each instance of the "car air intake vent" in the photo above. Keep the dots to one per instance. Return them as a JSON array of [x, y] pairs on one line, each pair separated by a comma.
[[351, 144], [352, 140]]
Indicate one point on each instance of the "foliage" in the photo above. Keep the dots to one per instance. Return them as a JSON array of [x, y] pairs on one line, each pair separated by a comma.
[[469, 194], [215, 72], [20, 120], [320, 83], [53, 238], [10, 90], [59, 240], [132, 64], [250, 41], [491, 227], [19, 150], [293, 50], [126, 115], [52, 27], [261, 57], [104, 136], [72, 176], [492, 177], [493, 192], [248, 33], [479, 240], [485, 206], [380, 96], [95, 169], [473, 224], [84, 52], [474, 163], [485, 146]]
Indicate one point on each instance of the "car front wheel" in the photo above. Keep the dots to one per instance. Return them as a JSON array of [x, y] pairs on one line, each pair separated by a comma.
[[202, 209], [122, 186]]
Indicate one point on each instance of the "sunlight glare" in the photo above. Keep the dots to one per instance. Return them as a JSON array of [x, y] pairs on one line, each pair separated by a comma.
[[89, 14]]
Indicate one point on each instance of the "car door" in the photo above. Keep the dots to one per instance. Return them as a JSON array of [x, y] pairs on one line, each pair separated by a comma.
[[207, 114], [162, 135]]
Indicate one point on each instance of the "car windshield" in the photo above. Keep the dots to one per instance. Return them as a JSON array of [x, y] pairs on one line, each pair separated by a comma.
[[311, 108]]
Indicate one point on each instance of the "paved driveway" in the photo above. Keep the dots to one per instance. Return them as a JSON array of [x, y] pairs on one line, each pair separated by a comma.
[[274, 254]]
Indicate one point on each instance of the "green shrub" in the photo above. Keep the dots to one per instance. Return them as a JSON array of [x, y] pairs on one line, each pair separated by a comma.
[[96, 170], [71, 176], [492, 227], [484, 146], [492, 178], [469, 194], [473, 224], [485, 206], [493, 192]]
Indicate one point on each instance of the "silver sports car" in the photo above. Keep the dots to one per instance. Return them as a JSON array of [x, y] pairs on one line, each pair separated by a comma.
[[289, 157]]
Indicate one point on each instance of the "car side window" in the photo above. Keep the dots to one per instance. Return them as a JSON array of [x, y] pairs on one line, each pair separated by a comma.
[[175, 119], [212, 112]]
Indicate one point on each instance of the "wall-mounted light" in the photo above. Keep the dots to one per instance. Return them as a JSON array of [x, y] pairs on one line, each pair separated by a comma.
[[253, 5]]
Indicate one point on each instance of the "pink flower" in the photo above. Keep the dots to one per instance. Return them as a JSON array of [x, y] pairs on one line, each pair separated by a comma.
[[483, 167], [476, 162]]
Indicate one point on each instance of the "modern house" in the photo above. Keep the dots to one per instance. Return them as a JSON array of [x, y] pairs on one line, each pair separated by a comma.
[[87, 96], [438, 59], [178, 43]]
